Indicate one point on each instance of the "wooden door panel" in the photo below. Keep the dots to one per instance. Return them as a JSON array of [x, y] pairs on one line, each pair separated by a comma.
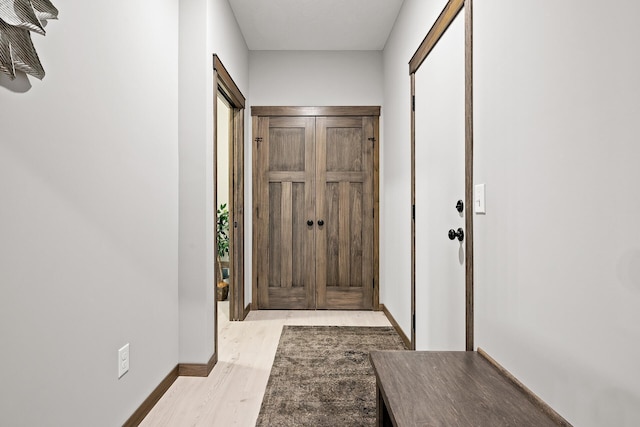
[[287, 299], [274, 246], [286, 149], [281, 292], [346, 299], [318, 169], [331, 269], [344, 234], [344, 149], [354, 233], [285, 244], [344, 275], [301, 261], [288, 235]]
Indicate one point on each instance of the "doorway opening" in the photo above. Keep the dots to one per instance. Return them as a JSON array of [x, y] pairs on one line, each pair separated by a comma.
[[224, 138], [228, 148]]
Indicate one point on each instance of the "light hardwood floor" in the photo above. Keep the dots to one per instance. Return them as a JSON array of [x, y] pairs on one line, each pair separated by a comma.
[[232, 394]]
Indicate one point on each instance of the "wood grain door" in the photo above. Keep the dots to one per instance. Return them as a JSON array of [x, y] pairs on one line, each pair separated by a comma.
[[314, 229], [344, 210], [285, 156]]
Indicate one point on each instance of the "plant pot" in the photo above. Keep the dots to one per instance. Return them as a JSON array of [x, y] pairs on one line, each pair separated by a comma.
[[222, 291]]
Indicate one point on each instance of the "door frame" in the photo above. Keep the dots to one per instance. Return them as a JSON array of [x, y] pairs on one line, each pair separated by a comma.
[[223, 84], [341, 111], [442, 23]]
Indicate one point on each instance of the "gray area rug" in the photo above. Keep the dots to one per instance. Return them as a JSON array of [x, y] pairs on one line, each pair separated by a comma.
[[321, 376]]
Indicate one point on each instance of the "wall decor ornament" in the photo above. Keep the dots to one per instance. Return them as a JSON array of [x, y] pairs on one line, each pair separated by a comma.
[[18, 19]]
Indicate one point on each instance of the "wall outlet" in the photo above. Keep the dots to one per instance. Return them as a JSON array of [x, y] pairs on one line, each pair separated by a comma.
[[123, 360]]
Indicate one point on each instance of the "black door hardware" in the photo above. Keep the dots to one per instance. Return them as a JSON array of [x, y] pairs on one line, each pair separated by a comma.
[[459, 234], [320, 222], [460, 206]]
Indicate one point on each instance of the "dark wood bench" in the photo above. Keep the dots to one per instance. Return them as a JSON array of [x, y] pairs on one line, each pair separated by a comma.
[[452, 388]]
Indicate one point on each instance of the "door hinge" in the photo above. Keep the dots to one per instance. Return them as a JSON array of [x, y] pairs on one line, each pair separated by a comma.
[[373, 212], [373, 282], [235, 224], [413, 103], [413, 321], [258, 139], [372, 139], [413, 212]]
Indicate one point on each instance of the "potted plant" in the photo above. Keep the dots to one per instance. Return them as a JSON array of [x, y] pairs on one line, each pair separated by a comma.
[[222, 233]]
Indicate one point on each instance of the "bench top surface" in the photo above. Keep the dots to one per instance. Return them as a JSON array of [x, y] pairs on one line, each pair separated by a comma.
[[450, 388]]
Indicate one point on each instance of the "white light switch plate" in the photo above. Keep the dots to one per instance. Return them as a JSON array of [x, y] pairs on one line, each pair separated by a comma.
[[123, 360], [479, 199]]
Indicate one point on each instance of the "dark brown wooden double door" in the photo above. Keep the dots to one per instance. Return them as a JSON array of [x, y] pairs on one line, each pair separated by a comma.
[[314, 212]]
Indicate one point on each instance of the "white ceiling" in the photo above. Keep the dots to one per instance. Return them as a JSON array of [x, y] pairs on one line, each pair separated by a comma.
[[316, 24]]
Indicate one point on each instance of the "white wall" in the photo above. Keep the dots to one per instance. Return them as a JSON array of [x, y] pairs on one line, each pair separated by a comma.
[[88, 216], [412, 25], [307, 78], [557, 255], [206, 27], [316, 78]]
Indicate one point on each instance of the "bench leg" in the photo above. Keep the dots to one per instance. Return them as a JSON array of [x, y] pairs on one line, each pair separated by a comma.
[[382, 416]]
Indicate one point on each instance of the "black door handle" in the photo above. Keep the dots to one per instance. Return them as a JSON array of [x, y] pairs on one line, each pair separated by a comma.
[[460, 206], [459, 234], [309, 222], [320, 222]]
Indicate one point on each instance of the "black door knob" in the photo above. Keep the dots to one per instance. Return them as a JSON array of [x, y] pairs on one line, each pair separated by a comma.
[[460, 206], [309, 223], [453, 234], [320, 222]]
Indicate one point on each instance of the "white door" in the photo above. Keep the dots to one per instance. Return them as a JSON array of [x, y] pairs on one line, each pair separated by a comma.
[[440, 140]]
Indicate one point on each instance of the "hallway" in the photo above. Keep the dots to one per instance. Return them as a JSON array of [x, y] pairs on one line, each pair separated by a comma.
[[232, 394], [107, 197]]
